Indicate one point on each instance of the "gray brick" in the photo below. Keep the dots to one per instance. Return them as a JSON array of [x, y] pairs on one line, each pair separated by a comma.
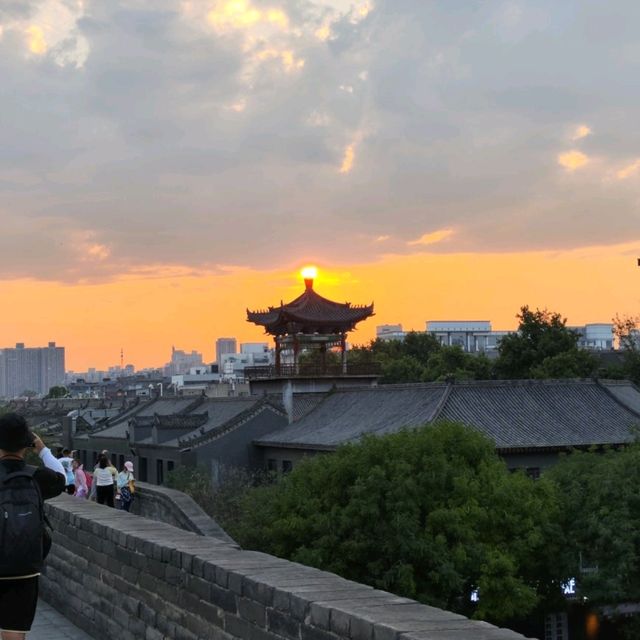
[[251, 611], [283, 625]]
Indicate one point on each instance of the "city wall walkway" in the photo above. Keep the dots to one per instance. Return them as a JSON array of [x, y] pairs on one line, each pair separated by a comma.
[[51, 625], [124, 576]]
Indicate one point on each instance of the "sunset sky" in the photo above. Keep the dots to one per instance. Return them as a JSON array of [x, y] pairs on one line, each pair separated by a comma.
[[165, 164]]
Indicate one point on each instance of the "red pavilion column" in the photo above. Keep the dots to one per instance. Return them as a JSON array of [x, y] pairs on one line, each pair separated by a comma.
[[343, 347]]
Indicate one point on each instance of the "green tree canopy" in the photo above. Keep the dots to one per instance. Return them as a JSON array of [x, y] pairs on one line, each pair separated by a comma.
[[601, 520], [58, 391], [432, 514], [542, 347], [421, 358]]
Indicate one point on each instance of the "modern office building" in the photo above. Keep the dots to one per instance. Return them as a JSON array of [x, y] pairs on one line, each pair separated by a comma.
[[473, 336], [33, 369], [390, 332], [597, 336], [224, 346]]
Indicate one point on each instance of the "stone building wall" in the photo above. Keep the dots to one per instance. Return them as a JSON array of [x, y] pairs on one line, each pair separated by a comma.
[[122, 576]]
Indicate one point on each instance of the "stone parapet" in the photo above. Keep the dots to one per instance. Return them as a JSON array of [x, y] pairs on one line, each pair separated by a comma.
[[177, 509], [122, 576]]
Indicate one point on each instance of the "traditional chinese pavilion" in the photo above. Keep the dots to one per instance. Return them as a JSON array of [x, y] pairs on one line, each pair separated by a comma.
[[310, 322]]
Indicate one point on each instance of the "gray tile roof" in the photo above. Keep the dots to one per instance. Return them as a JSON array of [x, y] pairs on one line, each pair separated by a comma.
[[531, 414], [344, 416], [525, 414]]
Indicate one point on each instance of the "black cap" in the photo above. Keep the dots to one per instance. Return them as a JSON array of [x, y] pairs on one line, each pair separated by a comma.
[[14, 432]]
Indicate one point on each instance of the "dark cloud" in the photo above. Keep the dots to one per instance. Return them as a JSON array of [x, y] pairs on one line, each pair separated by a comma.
[[145, 134]]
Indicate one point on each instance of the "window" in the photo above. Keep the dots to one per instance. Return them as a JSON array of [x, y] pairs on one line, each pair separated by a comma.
[[143, 470], [556, 627], [159, 471], [170, 464], [121, 461], [533, 472], [95, 458], [272, 465], [287, 465]]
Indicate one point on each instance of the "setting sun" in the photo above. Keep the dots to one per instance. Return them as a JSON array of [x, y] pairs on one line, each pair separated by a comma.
[[309, 273]]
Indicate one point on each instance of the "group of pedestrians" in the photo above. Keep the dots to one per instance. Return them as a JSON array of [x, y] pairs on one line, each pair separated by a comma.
[[105, 485]]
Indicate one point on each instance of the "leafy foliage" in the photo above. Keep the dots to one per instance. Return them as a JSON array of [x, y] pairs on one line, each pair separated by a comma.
[[58, 391], [225, 502], [601, 520], [432, 514], [421, 358], [543, 347], [627, 330]]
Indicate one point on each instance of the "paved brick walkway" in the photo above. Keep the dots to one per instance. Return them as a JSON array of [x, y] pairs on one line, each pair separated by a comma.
[[51, 625]]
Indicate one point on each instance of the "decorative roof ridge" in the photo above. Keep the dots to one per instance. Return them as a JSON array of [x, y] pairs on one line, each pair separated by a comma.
[[192, 441], [191, 406], [517, 382], [131, 412], [441, 404], [610, 393]]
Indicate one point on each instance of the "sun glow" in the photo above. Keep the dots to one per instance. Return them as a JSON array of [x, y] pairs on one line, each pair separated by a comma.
[[309, 273]]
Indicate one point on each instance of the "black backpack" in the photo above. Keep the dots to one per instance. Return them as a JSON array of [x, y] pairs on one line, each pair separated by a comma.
[[24, 540]]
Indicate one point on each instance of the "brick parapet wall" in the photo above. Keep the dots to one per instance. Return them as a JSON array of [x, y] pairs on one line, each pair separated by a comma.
[[177, 509], [122, 576]]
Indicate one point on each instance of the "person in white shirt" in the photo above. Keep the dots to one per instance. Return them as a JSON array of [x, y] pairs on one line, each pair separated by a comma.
[[103, 480]]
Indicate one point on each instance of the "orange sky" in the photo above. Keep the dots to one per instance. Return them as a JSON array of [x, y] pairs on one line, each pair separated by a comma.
[[146, 316]]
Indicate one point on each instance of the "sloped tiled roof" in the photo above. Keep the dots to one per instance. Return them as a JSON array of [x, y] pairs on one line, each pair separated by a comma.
[[531, 414], [310, 310], [526, 414], [345, 415]]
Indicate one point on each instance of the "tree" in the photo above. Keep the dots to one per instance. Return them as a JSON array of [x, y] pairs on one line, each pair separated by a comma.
[[542, 347], [431, 514], [454, 362], [627, 331], [600, 523], [58, 391], [421, 358]]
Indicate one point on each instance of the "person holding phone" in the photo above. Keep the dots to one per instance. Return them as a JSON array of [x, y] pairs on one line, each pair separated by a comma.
[[24, 540]]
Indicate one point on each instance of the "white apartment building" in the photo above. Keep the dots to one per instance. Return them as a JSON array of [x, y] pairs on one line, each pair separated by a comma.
[[390, 332], [596, 336], [474, 336]]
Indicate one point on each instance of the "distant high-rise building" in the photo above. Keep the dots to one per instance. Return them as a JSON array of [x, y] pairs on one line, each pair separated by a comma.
[[34, 369], [225, 346], [181, 362]]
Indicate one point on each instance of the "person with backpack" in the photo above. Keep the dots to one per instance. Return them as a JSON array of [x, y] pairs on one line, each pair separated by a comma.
[[24, 539], [125, 486]]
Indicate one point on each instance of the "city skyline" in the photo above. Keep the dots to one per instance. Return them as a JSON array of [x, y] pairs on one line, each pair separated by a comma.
[[442, 161]]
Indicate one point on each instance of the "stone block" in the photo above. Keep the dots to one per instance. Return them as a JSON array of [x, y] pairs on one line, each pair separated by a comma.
[[283, 624], [252, 611], [223, 598]]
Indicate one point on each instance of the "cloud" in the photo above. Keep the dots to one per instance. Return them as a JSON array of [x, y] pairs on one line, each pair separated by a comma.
[[628, 171], [433, 237], [191, 134], [348, 159], [572, 160], [581, 131], [35, 40]]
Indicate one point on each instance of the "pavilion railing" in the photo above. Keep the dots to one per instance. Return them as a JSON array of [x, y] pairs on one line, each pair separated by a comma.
[[308, 369]]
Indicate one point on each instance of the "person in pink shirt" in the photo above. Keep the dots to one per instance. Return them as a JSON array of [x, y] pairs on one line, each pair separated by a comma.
[[82, 490]]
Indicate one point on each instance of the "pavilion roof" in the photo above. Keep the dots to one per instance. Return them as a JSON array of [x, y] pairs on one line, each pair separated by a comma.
[[310, 313]]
